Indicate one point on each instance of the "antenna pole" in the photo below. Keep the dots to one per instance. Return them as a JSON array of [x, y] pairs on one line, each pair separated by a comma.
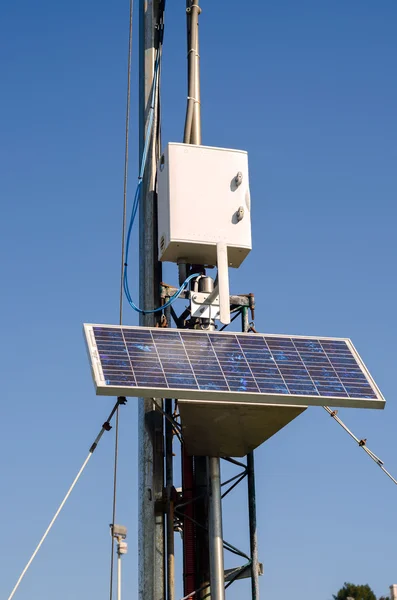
[[150, 422], [193, 115], [196, 549]]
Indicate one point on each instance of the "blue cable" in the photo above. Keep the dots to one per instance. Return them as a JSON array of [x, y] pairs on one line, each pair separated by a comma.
[[135, 206], [164, 306]]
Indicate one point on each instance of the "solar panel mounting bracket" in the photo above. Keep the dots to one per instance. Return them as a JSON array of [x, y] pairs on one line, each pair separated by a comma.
[[204, 306]]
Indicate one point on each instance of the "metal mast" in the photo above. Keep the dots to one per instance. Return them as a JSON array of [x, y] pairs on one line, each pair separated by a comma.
[[202, 522], [150, 422], [206, 472]]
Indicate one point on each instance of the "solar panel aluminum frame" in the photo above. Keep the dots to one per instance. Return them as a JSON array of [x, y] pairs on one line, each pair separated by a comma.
[[239, 397]]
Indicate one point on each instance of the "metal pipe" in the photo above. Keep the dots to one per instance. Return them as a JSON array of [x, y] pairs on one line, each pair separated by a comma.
[[183, 271], [244, 319], [194, 27], [150, 422], [217, 570], [252, 526], [195, 548], [201, 483], [170, 503], [192, 133], [118, 576], [205, 284], [251, 497], [190, 101], [189, 554]]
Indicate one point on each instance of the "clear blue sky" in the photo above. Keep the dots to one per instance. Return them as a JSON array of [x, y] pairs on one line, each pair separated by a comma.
[[309, 89]]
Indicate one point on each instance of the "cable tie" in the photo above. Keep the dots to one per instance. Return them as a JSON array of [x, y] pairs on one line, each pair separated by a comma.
[[333, 413], [194, 99], [193, 50], [107, 426], [189, 8], [362, 442]]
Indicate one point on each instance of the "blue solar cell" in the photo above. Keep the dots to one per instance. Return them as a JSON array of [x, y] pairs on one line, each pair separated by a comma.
[[271, 387], [331, 389], [183, 360], [302, 389], [264, 371], [120, 380], [242, 384]]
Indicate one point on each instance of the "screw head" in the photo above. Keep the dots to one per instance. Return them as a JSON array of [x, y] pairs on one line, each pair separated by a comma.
[[238, 178]]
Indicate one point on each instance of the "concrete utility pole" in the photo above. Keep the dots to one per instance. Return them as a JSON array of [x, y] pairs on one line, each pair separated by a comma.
[[150, 422]]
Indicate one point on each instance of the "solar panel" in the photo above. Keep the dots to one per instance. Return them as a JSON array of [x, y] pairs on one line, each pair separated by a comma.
[[233, 367]]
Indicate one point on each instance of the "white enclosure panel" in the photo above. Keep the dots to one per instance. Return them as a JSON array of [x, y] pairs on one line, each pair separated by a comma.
[[203, 199]]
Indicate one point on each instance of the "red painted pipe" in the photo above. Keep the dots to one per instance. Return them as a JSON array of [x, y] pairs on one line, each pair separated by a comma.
[[189, 558]]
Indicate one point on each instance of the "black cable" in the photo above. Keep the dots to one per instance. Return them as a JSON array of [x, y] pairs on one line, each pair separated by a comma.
[[231, 320], [234, 485], [127, 125]]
